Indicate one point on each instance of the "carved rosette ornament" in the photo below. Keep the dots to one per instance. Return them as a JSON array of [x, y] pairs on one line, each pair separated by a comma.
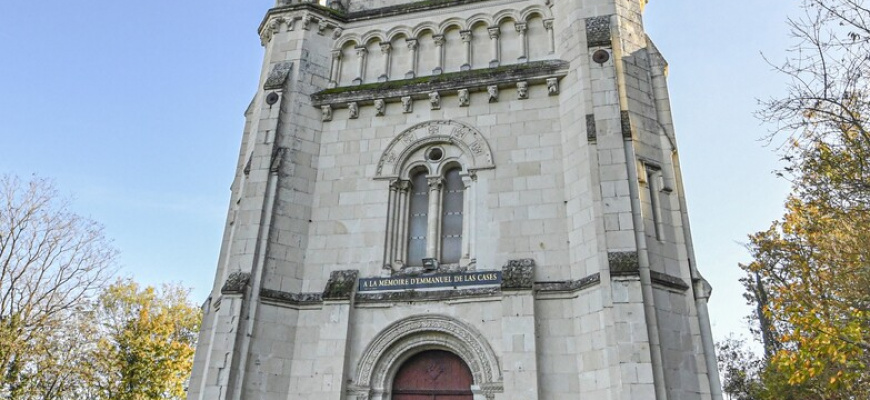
[[477, 153]]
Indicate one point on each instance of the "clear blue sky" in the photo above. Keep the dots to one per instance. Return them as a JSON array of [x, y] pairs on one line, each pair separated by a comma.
[[135, 109]]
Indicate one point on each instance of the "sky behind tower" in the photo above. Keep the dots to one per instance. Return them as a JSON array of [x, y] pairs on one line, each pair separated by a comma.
[[135, 109]]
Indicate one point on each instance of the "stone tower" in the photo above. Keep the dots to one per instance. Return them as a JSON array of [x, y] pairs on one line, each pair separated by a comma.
[[457, 199]]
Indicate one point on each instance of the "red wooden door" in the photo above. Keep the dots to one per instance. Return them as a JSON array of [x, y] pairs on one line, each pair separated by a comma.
[[433, 375]]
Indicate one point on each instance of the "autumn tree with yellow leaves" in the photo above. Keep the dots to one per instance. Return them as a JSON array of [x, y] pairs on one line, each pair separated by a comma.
[[810, 277]]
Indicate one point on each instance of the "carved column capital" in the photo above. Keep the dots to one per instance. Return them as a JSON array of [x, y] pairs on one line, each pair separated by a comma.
[[548, 24], [412, 44], [386, 47], [361, 52], [435, 182], [336, 54], [466, 36], [494, 32], [521, 27], [439, 39]]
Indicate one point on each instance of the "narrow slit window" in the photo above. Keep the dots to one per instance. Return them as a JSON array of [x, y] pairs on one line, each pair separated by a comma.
[[451, 217], [418, 219]]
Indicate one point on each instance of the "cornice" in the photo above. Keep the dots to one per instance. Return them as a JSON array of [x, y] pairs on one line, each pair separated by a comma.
[[536, 72]]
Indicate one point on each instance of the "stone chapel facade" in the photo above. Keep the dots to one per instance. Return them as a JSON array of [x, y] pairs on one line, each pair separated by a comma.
[[457, 199]]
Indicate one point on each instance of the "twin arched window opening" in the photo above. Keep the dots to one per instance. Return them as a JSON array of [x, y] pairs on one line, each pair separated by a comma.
[[428, 214]]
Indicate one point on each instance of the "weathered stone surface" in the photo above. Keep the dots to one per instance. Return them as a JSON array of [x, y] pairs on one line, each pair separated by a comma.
[[623, 263], [237, 282], [341, 285], [278, 76], [518, 274]]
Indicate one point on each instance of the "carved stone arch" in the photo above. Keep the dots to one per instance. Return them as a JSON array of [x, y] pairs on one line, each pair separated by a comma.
[[397, 32], [426, 26], [347, 39], [371, 36], [451, 22], [403, 339], [529, 12], [477, 153], [475, 19], [500, 17]]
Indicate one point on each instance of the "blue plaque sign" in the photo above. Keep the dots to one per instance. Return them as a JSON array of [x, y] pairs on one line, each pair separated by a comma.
[[448, 280]]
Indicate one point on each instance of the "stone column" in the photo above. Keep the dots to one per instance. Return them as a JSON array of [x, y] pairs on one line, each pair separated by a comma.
[[468, 199], [439, 47], [466, 40], [392, 216], [548, 25], [401, 224], [494, 33], [412, 46], [521, 28], [385, 50], [336, 68], [361, 53], [434, 228]]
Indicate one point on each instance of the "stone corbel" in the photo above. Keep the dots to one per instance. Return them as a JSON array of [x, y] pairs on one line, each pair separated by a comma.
[[380, 107], [464, 97], [326, 113], [353, 110], [322, 25], [492, 91], [407, 105], [522, 90], [435, 100], [336, 33], [553, 86], [306, 21]]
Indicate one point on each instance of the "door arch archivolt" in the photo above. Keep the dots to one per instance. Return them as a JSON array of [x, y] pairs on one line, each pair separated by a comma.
[[400, 341]]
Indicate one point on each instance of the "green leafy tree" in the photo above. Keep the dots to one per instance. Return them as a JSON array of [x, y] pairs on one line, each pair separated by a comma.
[[147, 342], [813, 265]]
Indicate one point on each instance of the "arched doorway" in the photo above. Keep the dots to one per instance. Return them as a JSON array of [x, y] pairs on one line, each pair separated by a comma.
[[433, 375]]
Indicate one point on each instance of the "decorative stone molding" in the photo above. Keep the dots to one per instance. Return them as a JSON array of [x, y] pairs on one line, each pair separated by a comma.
[[407, 105], [518, 274], [568, 286], [623, 263], [380, 107], [464, 97], [340, 285], [427, 295], [522, 90], [553, 86], [598, 31], [669, 281], [278, 76], [535, 72], [492, 92], [591, 128], [353, 110], [236, 283], [625, 121], [326, 113], [466, 138], [292, 299], [402, 339], [435, 100]]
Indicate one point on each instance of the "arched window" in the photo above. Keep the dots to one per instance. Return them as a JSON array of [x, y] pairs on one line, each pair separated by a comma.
[[451, 217], [418, 218], [427, 214]]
